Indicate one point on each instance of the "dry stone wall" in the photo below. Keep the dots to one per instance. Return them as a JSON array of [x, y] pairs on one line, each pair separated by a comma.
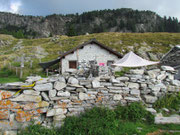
[[53, 99]]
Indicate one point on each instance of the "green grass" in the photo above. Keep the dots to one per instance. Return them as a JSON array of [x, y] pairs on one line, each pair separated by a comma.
[[104, 121], [158, 43], [7, 76], [169, 101]]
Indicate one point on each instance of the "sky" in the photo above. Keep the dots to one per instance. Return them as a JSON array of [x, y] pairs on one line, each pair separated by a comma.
[[47, 7]]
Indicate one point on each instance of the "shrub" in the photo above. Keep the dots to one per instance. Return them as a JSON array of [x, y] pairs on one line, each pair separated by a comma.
[[169, 101], [122, 72], [38, 130], [134, 112], [97, 121]]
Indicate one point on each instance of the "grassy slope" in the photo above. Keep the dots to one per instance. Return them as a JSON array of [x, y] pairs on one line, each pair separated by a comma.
[[122, 42]]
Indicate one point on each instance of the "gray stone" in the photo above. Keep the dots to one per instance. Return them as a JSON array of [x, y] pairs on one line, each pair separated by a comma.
[[43, 87], [61, 79], [70, 88], [27, 98], [78, 109], [45, 96], [132, 99], [117, 97], [92, 92], [31, 92], [123, 78], [42, 80], [73, 80], [137, 71], [116, 91], [63, 94], [85, 82], [161, 76], [81, 90], [83, 96], [167, 120], [175, 82], [153, 73], [113, 80], [150, 99], [167, 68], [54, 112], [59, 85], [115, 88], [135, 92], [143, 85], [105, 84], [133, 85], [95, 84], [153, 111], [59, 117], [52, 93]]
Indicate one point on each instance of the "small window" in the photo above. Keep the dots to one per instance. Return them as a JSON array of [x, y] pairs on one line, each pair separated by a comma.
[[110, 62], [73, 64]]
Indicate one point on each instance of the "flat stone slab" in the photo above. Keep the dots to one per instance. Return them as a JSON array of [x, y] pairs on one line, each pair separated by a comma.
[[167, 120], [43, 87], [27, 98]]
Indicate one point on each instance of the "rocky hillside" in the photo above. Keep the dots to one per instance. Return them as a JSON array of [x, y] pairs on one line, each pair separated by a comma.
[[119, 20], [148, 45]]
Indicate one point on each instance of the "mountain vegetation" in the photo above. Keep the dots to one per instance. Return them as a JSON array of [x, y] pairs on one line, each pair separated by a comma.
[[12, 50], [118, 20]]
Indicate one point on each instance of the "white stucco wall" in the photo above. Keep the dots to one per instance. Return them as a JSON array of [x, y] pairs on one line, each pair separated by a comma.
[[89, 52]]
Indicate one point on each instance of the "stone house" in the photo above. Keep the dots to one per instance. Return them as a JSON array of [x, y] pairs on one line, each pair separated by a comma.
[[89, 51]]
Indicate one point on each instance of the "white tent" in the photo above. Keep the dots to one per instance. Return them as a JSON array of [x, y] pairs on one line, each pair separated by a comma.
[[133, 60]]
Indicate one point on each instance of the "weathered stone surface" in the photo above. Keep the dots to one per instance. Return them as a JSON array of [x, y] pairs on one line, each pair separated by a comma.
[[133, 85], [42, 80], [31, 92], [83, 96], [78, 109], [81, 90], [150, 99], [167, 120], [61, 79], [32, 106], [59, 85], [22, 116], [135, 92], [117, 97], [43, 87], [73, 80], [63, 94], [137, 71], [27, 98], [175, 82], [153, 111], [59, 117], [10, 133], [161, 76], [132, 99], [6, 94], [7, 104], [123, 78], [52, 93], [116, 91], [113, 80], [4, 114], [167, 68], [57, 111], [45, 96], [153, 73], [96, 84]]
